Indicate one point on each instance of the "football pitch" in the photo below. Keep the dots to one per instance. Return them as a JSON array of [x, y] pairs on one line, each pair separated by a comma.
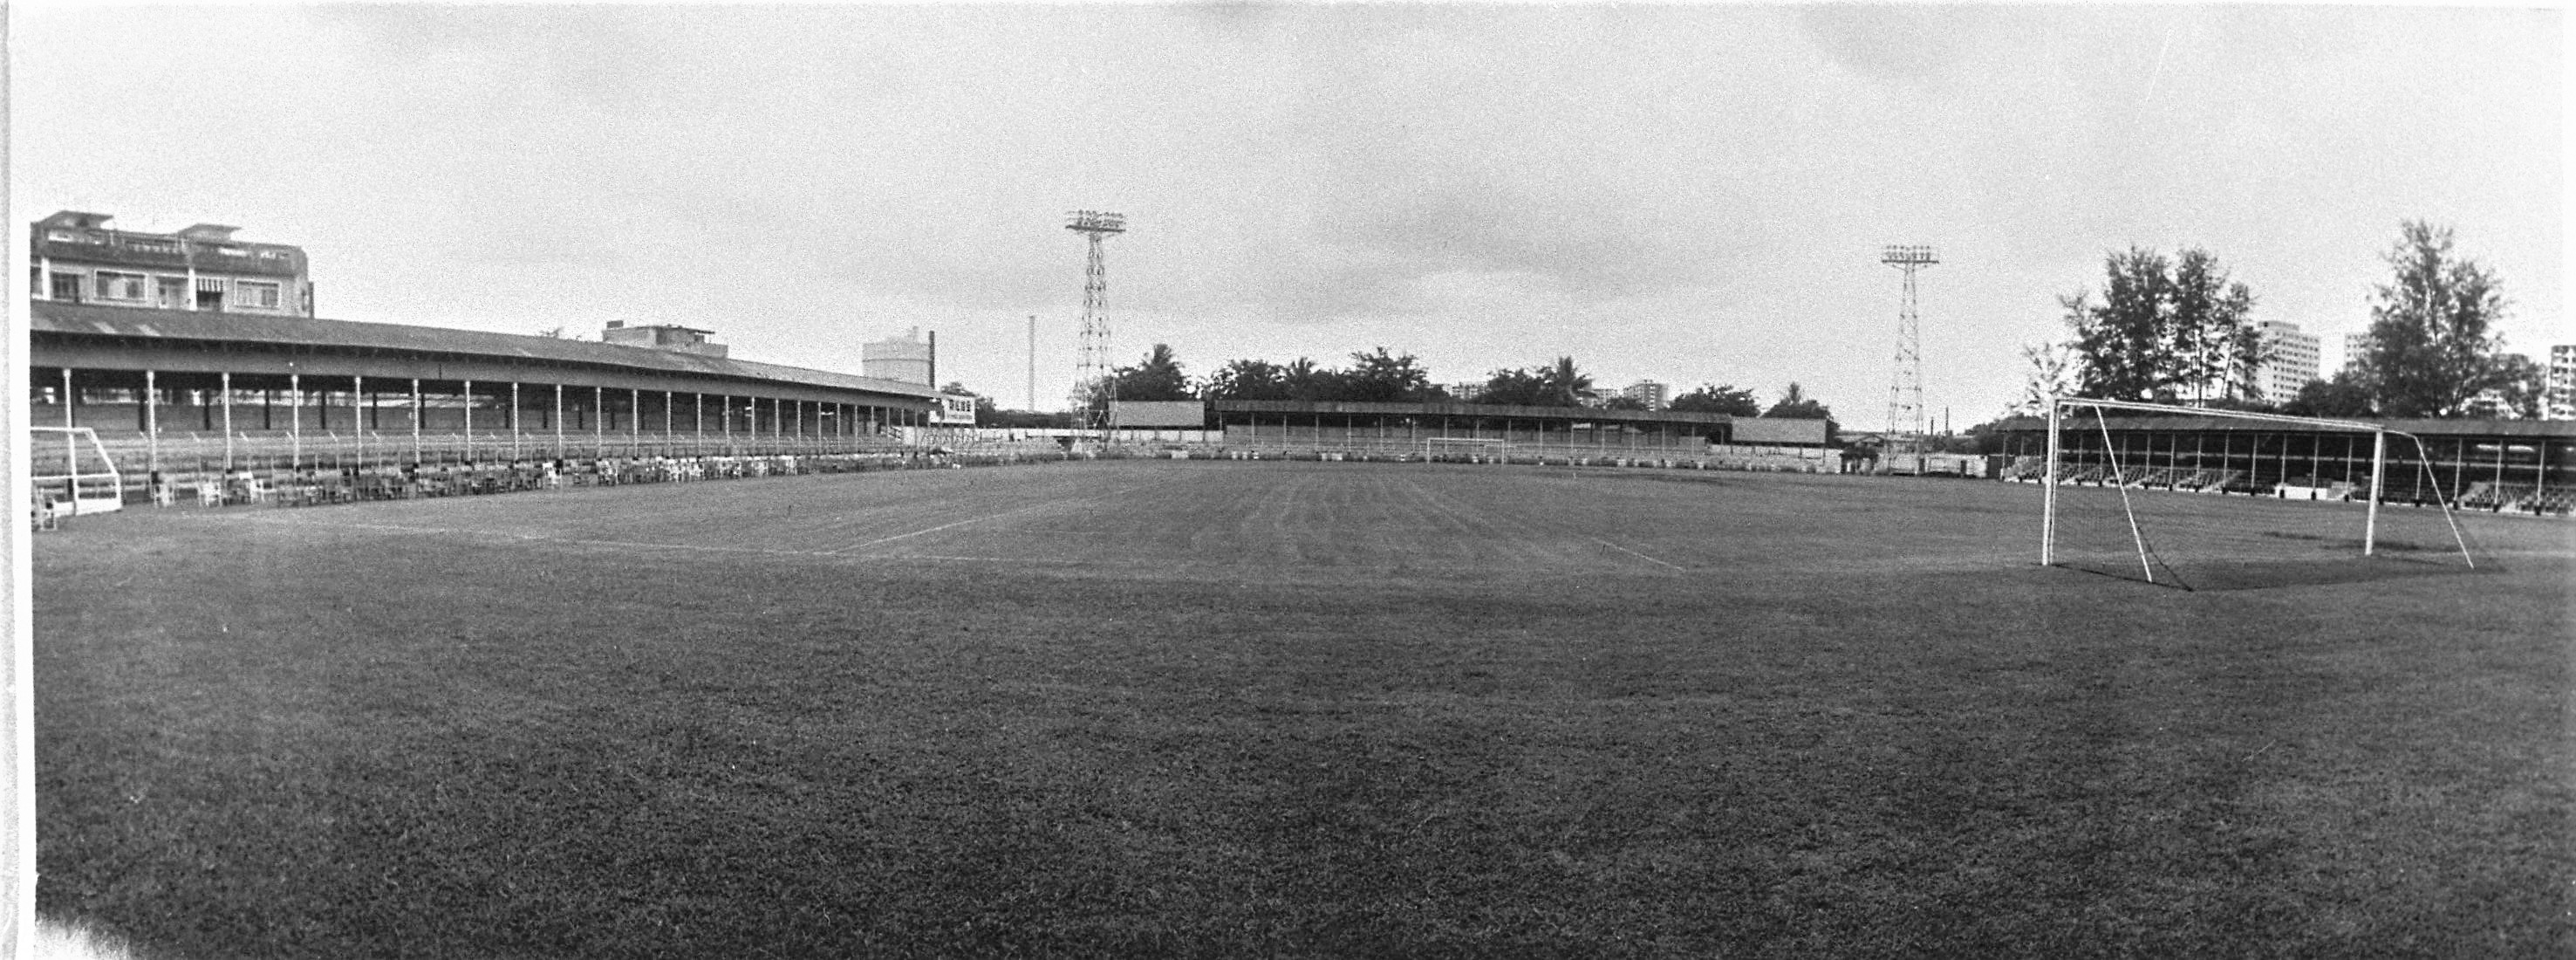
[[1218, 708]]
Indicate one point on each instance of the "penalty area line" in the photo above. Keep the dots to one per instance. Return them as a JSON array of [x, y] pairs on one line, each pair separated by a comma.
[[997, 516], [1658, 562]]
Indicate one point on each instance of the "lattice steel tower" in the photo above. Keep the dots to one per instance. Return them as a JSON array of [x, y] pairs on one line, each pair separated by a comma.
[[1905, 395], [1093, 386]]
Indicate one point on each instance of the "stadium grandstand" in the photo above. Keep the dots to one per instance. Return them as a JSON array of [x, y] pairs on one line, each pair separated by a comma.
[[227, 406], [2509, 466], [1494, 433]]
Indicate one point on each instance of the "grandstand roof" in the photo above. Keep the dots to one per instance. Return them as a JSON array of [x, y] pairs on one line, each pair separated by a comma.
[[92, 320], [2418, 427]]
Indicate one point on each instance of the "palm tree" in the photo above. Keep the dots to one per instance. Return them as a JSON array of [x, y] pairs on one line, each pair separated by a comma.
[[1565, 384], [1306, 381]]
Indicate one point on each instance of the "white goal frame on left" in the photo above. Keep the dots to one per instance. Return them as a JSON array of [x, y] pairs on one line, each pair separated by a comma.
[[2057, 407], [79, 485]]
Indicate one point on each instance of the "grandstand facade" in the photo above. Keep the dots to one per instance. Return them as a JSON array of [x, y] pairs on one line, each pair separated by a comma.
[[1520, 432], [194, 391], [2499, 465]]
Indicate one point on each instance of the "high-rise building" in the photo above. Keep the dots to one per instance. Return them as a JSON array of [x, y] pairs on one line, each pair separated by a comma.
[[2355, 347], [905, 358], [2291, 358], [2561, 402], [1654, 395], [78, 258]]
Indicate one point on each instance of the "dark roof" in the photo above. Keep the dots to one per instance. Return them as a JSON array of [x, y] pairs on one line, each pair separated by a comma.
[[2418, 427], [80, 319], [76, 218], [1455, 409]]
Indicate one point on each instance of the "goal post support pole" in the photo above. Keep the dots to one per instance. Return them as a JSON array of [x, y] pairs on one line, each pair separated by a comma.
[[2048, 494], [2378, 474]]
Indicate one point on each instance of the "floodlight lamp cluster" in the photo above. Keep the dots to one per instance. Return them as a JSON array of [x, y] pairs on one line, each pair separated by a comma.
[[1917, 253], [1096, 221]]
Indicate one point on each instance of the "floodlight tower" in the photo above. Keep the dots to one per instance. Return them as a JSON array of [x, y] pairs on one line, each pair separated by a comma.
[[1905, 395], [1093, 383]]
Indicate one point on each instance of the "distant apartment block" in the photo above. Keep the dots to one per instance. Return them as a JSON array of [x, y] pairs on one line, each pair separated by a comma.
[[2291, 359], [2355, 347], [1465, 390], [1654, 395], [663, 336], [2561, 399], [77, 258], [905, 359]]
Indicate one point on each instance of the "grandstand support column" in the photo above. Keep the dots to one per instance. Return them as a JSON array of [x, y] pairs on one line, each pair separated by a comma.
[[225, 385], [634, 417], [469, 421], [2540, 477], [295, 419], [514, 420], [666, 417], [415, 420], [358, 415], [559, 436], [151, 426]]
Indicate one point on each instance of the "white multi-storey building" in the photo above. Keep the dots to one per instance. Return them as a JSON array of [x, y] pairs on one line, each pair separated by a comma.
[[2291, 359], [2561, 402], [78, 258]]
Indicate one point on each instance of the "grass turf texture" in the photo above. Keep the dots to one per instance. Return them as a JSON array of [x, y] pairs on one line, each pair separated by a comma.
[[1198, 708]]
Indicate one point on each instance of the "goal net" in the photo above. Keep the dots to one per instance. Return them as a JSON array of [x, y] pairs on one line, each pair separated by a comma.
[[1465, 449], [68, 466], [2215, 499]]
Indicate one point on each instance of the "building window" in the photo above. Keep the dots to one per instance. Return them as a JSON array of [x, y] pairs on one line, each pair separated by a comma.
[[274, 255], [255, 293], [232, 251], [151, 246], [67, 287], [120, 286]]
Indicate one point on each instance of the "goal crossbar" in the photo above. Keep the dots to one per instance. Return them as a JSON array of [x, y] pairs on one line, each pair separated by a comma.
[[2379, 432]]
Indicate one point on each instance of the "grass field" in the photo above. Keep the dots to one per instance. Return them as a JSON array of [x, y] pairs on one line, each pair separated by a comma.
[[1221, 709]]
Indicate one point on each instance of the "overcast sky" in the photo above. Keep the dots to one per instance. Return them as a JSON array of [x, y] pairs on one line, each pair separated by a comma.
[[1688, 194]]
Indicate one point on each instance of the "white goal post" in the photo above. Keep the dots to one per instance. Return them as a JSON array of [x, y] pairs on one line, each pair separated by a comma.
[[2113, 473], [70, 467], [1479, 449]]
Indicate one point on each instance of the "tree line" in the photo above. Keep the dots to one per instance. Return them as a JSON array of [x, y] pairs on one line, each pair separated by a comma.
[[2179, 330], [1382, 376]]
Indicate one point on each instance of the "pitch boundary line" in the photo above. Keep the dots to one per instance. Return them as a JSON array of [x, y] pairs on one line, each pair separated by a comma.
[[699, 547]]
